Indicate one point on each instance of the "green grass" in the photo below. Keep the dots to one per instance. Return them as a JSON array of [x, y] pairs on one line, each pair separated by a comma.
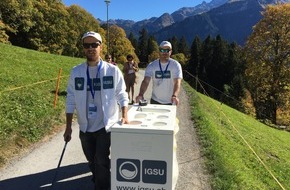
[[241, 153], [228, 137], [27, 90]]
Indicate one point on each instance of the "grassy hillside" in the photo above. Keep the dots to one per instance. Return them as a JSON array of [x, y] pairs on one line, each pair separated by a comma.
[[27, 89], [241, 153]]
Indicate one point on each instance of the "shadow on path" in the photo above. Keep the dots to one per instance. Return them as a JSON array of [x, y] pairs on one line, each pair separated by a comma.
[[71, 177]]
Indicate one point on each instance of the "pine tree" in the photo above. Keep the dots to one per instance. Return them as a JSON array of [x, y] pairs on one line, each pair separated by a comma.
[[193, 65], [143, 45], [206, 60], [174, 44], [216, 71], [183, 47], [133, 41]]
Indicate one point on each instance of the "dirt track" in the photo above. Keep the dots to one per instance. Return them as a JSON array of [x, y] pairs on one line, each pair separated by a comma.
[[37, 168]]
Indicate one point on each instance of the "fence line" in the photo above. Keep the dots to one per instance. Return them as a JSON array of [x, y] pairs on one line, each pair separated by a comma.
[[239, 134], [40, 82], [57, 88]]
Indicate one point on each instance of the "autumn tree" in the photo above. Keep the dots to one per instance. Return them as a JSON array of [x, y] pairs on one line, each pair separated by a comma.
[[181, 58], [80, 21], [46, 25], [17, 18], [50, 32], [151, 44], [3, 35], [153, 49], [120, 46], [268, 63]]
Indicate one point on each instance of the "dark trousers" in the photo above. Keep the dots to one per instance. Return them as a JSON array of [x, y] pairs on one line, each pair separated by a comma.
[[96, 147], [155, 102]]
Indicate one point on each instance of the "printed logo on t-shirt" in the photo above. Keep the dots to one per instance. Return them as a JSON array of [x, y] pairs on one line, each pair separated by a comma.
[[108, 82], [96, 84], [162, 75], [79, 83]]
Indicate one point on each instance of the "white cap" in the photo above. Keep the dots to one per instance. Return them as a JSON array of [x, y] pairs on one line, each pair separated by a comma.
[[93, 34], [165, 43]]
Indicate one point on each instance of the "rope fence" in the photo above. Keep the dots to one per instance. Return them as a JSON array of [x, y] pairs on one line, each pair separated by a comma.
[[58, 79], [198, 82]]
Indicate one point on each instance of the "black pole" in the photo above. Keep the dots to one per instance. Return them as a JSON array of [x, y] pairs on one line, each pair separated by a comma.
[[108, 40], [56, 172]]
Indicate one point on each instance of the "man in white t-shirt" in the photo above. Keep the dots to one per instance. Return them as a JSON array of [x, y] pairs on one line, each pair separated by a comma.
[[166, 74]]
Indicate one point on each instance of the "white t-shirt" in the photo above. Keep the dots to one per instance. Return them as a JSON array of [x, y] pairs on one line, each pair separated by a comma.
[[131, 70], [95, 117], [162, 79]]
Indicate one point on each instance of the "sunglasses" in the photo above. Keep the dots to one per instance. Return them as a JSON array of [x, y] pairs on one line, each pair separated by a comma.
[[91, 45], [164, 50]]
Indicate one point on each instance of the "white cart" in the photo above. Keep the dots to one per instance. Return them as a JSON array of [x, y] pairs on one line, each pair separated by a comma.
[[142, 152]]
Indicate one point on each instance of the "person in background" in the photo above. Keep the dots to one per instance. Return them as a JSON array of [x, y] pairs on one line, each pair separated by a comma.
[[130, 68], [94, 89], [166, 74], [109, 59]]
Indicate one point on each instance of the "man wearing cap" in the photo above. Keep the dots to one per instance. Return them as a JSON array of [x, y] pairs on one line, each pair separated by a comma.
[[166, 74], [94, 90]]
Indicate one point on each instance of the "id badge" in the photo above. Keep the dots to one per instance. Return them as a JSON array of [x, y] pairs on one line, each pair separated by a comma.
[[92, 111]]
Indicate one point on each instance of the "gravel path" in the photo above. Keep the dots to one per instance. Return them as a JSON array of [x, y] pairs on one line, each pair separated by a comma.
[[37, 168]]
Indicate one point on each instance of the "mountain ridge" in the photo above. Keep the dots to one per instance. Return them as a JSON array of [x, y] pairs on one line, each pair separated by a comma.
[[232, 19]]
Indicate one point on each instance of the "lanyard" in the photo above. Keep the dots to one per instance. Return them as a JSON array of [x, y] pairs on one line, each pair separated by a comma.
[[90, 81], [165, 68]]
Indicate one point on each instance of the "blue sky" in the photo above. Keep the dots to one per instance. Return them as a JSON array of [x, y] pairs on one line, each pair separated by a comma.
[[132, 9]]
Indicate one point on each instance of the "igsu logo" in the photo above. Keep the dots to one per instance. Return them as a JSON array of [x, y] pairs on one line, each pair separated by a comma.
[[151, 171], [128, 170], [154, 171]]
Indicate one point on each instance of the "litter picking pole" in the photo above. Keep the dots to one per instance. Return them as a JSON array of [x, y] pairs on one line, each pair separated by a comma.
[[55, 175]]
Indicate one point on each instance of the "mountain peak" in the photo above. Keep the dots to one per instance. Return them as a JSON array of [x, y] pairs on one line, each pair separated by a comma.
[[232, 19]]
